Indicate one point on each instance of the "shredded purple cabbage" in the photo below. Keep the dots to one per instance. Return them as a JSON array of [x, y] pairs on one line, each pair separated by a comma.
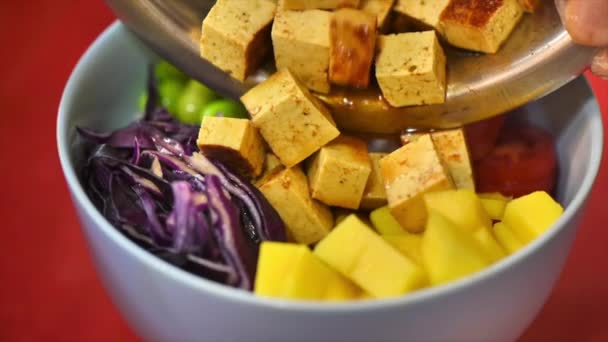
[[149, 180]]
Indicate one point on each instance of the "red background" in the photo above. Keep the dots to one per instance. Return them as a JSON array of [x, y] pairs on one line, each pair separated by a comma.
[[48, 287]]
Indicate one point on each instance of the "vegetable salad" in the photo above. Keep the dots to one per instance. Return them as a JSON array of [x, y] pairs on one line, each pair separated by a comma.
[[341, 223]]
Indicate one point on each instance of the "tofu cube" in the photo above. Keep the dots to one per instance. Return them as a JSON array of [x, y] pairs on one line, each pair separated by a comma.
[[234, 142], [338, 173], [480, 25], [317, 4], [411, 69], [529, 6], [374, 195], [272, 165], [236, 35], [408, 174], [305, 52], [454, 153], [352, 47], [380, 8], [294, 123], [425, 13], [306, 220]]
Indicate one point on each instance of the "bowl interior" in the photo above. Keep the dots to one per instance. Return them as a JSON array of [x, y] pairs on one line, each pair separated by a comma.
[[103, 90]]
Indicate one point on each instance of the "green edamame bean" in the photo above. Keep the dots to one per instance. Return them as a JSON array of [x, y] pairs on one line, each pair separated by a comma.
[[193, 99], [165, 70], [169, 92], [226, 108], [142, 100]]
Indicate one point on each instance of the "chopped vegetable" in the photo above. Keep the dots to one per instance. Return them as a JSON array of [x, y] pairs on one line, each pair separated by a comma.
[[408, 244], [385, 223], [529, 216], [494, 204], [523, 161], [191, 102], [166, 71], [225, 108], [507, 238], [292, 271], [170, 91], [354, 250], [462, 207], [449, 252], [149, 181]]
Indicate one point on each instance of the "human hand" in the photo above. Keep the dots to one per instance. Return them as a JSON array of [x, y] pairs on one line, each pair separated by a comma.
[[587, 23]]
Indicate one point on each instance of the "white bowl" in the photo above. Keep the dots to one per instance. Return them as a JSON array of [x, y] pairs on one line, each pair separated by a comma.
[[162, 302]]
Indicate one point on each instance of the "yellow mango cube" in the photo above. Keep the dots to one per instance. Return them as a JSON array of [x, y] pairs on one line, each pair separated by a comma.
[[489, 244], [341, 289], [359, 254], [507, 238], [449, 253], [408, 244], [494, 204], [384, 222], [291, 271], [461, 207], [531, 215]]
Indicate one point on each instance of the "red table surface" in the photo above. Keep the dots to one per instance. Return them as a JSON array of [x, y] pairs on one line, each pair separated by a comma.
[[49, 289]]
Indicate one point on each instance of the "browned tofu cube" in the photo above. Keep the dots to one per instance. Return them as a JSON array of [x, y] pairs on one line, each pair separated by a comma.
[[408, 174], [236, 35], [454, 153], [411, 69], [294, 123], [234, 142], [317, 4], [480, 25], [422, 13], [380, 8], [305, 52], [453, 150], [306, 220], [530, 5], [352, 47], [374, 195], [339, 172], [272, 165]]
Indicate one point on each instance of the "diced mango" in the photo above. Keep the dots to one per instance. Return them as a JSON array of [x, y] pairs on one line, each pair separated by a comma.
[[354, 250], [341, 289], [531, 215], [461, 207], [495, 195], [384, 222], [291, 271], [507, 238], [450, 253], [489, 244], [494, 204], [408, 244]]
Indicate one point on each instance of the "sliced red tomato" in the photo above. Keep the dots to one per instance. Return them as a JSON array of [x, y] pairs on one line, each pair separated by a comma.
[[482, 136], [524, 160]]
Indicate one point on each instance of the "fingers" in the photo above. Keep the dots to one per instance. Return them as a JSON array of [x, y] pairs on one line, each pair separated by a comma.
[[585, 20], [599, 66]]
